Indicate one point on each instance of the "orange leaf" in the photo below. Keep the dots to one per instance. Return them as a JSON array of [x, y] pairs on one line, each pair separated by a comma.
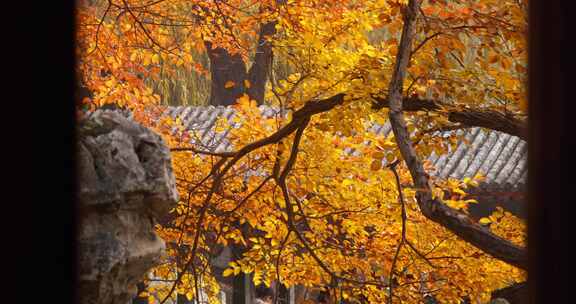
[[229, 84], [376, 165]]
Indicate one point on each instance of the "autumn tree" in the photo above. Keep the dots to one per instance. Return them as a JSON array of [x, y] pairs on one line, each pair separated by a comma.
[[371, 225]]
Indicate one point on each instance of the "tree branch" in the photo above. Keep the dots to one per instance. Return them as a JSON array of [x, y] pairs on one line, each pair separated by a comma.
[[431, 207], [403, 239], [484, 118], [515, 294]]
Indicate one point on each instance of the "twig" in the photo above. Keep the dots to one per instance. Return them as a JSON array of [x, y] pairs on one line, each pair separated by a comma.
[[403, 239]]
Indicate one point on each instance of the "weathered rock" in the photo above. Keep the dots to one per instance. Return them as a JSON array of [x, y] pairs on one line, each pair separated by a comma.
[[126, 186]]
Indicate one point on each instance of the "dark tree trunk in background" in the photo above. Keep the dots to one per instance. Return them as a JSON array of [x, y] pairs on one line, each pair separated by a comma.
[[283, 294], [223, 68], [238, 290], [239, 284], [181, 299], [182, 252], [258, 74], [226, 67]]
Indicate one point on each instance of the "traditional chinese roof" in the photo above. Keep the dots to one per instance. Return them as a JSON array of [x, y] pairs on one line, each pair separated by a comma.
[[500, 157], [202, 121]]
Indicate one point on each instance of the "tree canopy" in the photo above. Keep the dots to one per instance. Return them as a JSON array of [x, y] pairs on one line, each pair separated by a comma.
[[373, 225]]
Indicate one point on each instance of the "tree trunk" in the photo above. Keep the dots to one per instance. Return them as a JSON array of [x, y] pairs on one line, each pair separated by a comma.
[[238, 285], [181, 299], [283, 294], [225, 67], [258, 74]]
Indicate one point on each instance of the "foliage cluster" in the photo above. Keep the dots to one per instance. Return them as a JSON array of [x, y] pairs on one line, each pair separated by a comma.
[[304, 209]]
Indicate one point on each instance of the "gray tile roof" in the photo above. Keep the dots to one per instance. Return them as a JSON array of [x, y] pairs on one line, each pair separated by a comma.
[[499, 157], [201, 121]]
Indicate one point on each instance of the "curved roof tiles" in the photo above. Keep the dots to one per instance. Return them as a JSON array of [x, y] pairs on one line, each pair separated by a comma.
[[499, 157]]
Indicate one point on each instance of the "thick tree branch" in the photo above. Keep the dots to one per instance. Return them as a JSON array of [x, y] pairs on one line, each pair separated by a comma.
[[198, 151], [515, 294], [431, 207], [490, 119], [484, 118]]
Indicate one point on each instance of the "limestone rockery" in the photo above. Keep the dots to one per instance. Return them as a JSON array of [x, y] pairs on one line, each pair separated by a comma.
[[126, 185]]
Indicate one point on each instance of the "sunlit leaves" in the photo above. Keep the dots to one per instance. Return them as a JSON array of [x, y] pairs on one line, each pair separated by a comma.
[[344, 198]]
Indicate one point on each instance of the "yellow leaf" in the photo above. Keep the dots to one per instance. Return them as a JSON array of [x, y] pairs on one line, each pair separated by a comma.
[[245, 102], [146, 59], [227, 272], [229, 84], [485, 221], [247, 83], [155, 58], [110, 83], [459, 191], [294, 77], [347, 182]]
